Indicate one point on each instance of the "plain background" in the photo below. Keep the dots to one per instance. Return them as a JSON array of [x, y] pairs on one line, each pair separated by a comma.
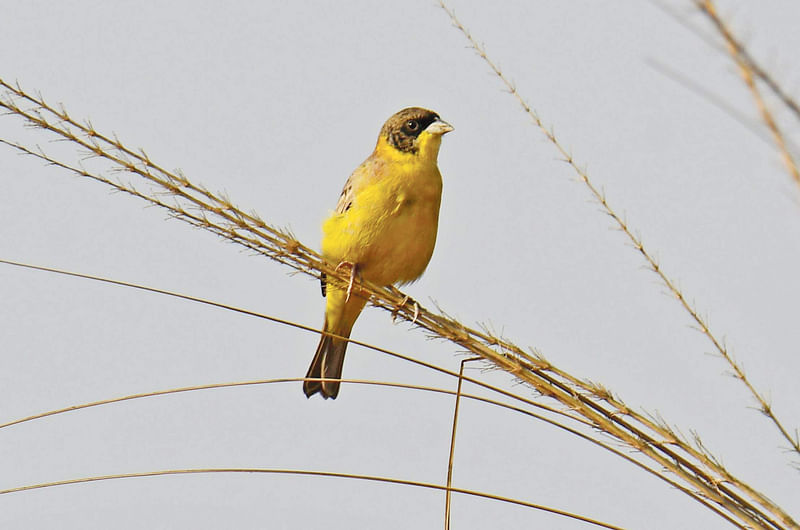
[[275, 103]]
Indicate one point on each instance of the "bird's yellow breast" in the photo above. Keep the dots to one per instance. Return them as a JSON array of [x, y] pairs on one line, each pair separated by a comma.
[[389, 231]]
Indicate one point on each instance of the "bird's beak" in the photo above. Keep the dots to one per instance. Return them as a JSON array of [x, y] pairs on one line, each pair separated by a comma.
[[439, 127]]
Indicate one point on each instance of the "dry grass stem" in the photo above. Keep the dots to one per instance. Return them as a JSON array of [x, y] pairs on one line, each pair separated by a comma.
[[692, 86], [756, 68], [692, 469], [308, 473], [453, 441], [749, 70], [589, 435]]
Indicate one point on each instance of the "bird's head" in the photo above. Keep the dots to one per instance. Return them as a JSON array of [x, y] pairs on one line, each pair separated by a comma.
[[413, 132]]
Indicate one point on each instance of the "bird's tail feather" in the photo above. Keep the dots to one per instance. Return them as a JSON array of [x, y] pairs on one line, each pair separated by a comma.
[[327, 363]]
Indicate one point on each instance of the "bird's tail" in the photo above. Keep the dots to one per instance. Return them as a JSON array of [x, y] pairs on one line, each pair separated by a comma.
[[327, 363]]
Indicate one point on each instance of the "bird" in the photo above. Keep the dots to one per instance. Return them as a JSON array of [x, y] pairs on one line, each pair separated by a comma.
[[383, 230]]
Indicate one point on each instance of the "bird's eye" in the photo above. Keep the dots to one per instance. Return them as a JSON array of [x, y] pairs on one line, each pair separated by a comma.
[[412, 125]]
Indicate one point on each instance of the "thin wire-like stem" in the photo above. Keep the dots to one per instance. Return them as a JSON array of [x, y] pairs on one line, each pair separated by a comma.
[[257, 382], [311, 473], [453, 442]]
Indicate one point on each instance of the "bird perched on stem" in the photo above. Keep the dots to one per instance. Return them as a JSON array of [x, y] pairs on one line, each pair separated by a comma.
[[383, 230]]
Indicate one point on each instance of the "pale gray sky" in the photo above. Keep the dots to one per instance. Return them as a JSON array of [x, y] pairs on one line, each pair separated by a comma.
[[276, 103]]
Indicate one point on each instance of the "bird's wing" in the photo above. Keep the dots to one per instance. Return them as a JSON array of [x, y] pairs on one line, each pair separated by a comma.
[[357, 180], [366, 173], [347, 195]]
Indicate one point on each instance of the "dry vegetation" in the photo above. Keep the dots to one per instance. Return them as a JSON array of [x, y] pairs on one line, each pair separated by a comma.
[[586, 409]]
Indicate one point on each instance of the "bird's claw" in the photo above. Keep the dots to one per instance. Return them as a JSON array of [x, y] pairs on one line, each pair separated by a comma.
[[402, 304], [353, 270]]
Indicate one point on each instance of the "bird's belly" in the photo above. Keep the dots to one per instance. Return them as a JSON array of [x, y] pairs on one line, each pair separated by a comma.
[[402, 253], [394, 246]]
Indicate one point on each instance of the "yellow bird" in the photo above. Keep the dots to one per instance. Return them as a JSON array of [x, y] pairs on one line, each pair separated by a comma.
[[383, 229]]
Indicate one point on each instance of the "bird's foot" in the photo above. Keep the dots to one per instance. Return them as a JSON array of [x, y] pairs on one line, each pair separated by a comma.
[[402, 304], [353, 272]]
